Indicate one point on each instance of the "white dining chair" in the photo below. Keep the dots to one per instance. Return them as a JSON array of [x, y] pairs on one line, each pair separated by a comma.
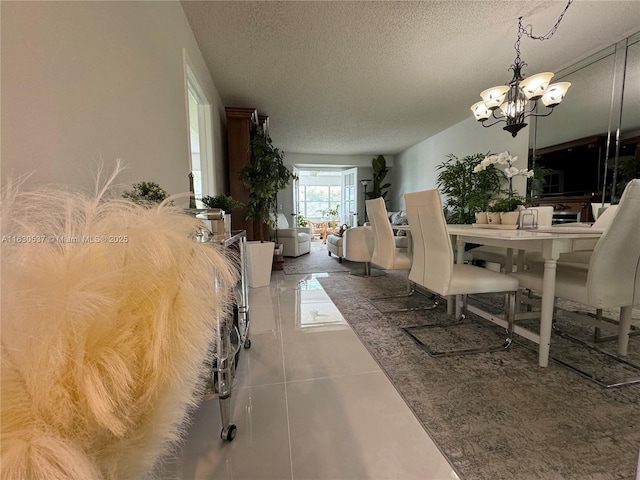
[[612, 278], [385, 253], [434, 269]]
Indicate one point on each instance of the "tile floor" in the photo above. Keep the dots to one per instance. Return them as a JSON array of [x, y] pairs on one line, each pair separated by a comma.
[[309, 403]]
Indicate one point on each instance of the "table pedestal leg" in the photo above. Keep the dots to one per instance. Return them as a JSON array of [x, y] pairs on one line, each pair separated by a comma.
[[546, 310]]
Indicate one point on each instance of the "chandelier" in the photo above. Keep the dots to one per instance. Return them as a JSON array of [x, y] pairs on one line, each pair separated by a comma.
[[514, 102]]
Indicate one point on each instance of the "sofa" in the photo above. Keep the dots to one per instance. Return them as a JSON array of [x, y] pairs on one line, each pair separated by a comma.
[[399, 218]]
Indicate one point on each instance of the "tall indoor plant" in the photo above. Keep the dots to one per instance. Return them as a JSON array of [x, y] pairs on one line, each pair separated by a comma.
[[263, 177], [380, 170], [466, 192]]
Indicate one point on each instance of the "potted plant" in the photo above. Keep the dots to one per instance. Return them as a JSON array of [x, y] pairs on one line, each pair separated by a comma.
[[224, 202], [146, 193], [465, 192], [380, 170], [300, 220], [263, 177]]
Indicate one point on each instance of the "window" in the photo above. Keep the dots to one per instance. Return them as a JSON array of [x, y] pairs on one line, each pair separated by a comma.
[[315, 201], [199, 120]]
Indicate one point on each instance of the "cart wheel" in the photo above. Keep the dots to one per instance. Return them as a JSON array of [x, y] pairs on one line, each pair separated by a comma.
[[230, 433], [247, 343]]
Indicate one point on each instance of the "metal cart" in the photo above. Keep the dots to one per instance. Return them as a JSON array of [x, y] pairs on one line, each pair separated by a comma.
[[232, 333]]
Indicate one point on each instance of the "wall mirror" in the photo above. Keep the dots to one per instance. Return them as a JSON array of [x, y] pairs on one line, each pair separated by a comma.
[[589, 148]]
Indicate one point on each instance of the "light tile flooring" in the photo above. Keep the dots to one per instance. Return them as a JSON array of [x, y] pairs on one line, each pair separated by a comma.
[[309, 403]]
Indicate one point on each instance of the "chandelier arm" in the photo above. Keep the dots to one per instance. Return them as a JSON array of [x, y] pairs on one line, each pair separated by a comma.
[[494, 123], [541, 114]]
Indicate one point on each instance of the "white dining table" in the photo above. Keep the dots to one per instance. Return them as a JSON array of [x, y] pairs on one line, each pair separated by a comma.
[[549, 243]]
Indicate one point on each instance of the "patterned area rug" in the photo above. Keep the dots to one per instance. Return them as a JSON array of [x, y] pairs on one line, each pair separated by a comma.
[[498, 415], [318, 261]]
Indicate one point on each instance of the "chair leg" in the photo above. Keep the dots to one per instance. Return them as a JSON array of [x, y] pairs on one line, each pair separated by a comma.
[[368, 271], [510, 302], [623, 341], [623, 330], [409, 293]]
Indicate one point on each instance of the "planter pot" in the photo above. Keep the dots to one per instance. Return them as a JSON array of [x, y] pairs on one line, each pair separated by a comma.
[[494, 218], [509, 218], [259, 263], [481, 217]]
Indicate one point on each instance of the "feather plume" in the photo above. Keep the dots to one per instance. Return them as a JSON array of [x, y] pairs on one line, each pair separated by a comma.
[[108, 309]]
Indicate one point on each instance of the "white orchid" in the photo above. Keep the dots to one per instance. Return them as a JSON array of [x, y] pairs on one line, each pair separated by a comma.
[[504, 159], [511, 172]]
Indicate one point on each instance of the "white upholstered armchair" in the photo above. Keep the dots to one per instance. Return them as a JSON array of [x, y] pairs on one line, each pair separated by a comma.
[[295, 241]]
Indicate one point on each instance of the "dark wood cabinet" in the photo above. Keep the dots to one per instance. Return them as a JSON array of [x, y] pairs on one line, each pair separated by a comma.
[[241, 126], [565, 207]]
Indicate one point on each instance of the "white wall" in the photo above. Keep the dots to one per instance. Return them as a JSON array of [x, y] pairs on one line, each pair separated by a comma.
[[415, 168], [83, 81]]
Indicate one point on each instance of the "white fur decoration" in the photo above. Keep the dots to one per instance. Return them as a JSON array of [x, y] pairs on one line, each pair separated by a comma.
[[108, 309]]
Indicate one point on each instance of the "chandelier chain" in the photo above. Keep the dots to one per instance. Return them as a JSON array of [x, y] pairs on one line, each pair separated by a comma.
[[527, 30]]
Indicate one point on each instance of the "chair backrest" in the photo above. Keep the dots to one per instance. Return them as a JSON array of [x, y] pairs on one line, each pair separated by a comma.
[[614, 270], [598, 208], [432, 252], [384, 246], [282, 221], [605, 217], [539, 216]]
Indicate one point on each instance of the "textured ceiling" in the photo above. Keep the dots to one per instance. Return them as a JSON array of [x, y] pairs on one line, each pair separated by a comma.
[[378, 77]]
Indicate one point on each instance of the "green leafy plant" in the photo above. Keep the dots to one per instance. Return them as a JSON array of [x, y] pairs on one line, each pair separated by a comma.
[[464, 191], [380, 171], [536, 183], [223, 201], [628, 169], [335, 211], [146, 193], [505, 204], [301, 221], [263, 177]]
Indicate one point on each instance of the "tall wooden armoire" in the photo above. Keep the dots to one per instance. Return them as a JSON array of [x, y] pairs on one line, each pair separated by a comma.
[[241, 125]]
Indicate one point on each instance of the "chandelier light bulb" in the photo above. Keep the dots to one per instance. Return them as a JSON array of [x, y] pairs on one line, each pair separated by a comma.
[[555, 94], [480, 111], [494, 97], [512, 109], [535, 86]]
